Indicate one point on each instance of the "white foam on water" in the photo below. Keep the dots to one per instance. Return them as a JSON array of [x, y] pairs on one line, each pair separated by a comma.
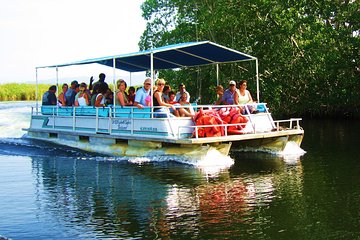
[[292, 153], [140, 160]]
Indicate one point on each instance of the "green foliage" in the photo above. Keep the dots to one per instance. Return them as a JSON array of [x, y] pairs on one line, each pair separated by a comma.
[[21, 92], [308, 50]]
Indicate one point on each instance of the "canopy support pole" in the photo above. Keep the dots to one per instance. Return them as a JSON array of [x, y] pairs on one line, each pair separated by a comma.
[[57, 81], [257, 81], [36, 90], [114, 86], [152, 76], [217, 74]]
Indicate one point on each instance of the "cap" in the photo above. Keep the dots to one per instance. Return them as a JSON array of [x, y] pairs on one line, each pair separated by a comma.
[[232, 82]]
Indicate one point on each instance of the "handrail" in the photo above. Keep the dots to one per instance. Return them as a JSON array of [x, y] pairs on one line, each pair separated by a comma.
[[53, 111]]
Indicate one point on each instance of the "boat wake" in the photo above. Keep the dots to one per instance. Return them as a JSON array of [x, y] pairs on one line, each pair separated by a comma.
[[210, 164], [36, 148], [292, 153]]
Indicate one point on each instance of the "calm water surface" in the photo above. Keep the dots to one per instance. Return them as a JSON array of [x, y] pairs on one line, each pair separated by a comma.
[[53, 192]]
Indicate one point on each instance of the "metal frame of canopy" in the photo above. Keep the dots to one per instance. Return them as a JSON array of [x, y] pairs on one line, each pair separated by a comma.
[[167, 57]]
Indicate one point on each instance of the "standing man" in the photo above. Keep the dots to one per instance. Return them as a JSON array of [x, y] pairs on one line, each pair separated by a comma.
[[142, 93], [94, 86], [180, 93], [49, 97]]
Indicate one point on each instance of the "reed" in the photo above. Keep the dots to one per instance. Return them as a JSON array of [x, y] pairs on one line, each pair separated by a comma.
[[21, 91]]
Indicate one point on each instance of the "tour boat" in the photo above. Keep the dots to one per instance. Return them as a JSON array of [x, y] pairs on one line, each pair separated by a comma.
[[130, 131]]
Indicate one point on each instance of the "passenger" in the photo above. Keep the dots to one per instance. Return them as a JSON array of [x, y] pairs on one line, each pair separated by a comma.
[[166, 91], [219, 92], [82, 97], [245, 97], [181, 91], [185, 112], [93, 97], [71, 93], [231, 95], [148, 99], [109, 96], [61, 97], [158, 100], [49, 97], [172, 98], [121, 98], [100, 100], [94, 86], [142, 93], [131, 94]]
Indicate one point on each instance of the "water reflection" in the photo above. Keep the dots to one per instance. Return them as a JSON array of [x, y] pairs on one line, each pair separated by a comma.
[[119, 199]]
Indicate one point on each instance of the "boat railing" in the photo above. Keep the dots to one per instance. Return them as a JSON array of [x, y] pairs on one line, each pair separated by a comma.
[[132, 113]]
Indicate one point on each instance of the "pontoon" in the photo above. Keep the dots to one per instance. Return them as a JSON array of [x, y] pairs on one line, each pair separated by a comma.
[[129, 131]]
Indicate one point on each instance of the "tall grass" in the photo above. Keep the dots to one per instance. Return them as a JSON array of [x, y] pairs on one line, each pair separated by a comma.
[[21, 91]]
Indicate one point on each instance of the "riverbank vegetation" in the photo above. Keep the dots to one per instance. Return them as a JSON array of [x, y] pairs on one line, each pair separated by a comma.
[[308, 51], [21, 92]]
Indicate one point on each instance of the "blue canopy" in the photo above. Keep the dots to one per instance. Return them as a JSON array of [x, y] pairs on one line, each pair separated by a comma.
[[169, 57]]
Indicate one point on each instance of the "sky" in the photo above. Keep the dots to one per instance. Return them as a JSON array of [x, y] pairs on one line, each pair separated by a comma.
[[47, 32]]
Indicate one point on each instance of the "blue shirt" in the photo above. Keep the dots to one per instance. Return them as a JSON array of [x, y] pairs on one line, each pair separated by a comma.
[[70, 97], [228, 97], [141, 95]]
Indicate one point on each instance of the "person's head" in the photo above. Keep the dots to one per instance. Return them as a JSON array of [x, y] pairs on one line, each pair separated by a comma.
[[183, 96], [102, 77], [74, 84], [121, 84], [219, 90], [131, 90], [167, 89], [182, 87], [52, 88], [82, 87], [243, 84], [172, 95], [232, 85], [147, 84], [160, 84], [65, 87]]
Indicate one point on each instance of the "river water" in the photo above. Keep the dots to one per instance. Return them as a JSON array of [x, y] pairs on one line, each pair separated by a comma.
[[54, 192]]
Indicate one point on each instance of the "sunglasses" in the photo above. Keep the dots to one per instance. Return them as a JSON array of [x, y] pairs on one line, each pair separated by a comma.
[[161, 84], [147, 83]]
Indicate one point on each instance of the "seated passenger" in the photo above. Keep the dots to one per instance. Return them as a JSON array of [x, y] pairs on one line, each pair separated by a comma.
[[185, 112], [121, 98], [181, 91], [219, 92], [231, 95], [71, 93], [172, 98], [82, 98], [159, 102], [93, 97], [61, 97], [49, 97], [131, 94], [142, 93], [109, 96], [245, 97], [100, 100], [166, 91]]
